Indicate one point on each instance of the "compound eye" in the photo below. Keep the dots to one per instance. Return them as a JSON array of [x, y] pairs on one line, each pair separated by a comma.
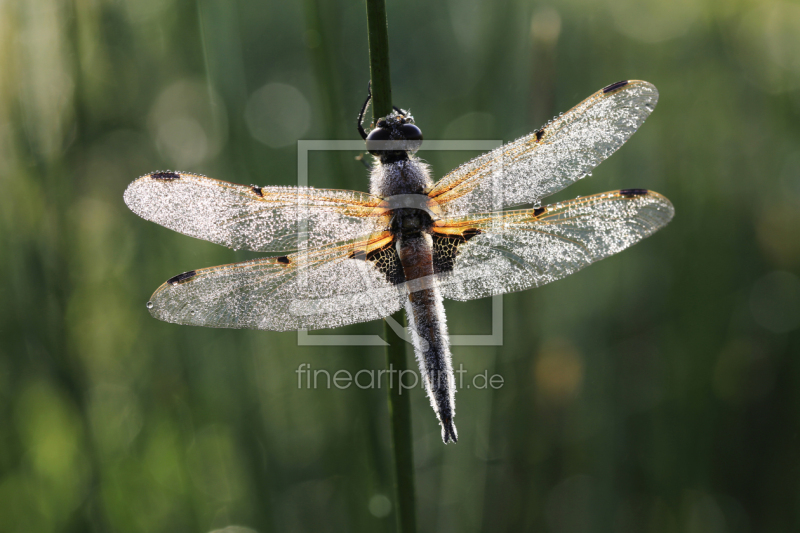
[[410, 132], [413, 137], [378, 134]]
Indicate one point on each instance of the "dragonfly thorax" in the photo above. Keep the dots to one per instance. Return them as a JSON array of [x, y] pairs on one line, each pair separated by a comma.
[[410, 176], [407, 222]]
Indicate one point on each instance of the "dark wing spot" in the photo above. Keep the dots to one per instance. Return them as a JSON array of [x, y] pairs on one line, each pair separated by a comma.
[[166, 176], [630, 193], [538, 211], [539, 134], [283, 260], [445, 249], [386, 260], [615, 86], [182, 278], [257, 190]]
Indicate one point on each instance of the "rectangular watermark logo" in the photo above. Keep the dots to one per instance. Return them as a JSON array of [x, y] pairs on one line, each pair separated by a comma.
[[495, 338]]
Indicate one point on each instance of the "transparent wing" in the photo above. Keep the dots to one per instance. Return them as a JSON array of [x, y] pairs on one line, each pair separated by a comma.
[[321, 288], [548, 160], [518, 250], [262, 219]]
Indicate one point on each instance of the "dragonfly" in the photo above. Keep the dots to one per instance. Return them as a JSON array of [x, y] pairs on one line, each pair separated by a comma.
[[410, 242]]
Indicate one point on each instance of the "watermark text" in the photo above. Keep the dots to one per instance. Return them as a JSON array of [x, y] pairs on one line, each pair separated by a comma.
[[312, 378]]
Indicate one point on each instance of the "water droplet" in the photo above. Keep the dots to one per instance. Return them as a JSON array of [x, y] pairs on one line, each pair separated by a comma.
[[561, 114], [537, 205], [589, 174], [150, 305], [380, 506]]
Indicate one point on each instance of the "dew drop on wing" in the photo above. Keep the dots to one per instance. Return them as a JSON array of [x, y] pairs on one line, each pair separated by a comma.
[[150, 305]]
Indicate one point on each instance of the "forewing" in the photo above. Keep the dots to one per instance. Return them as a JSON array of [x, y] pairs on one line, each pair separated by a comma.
[[518, 250], [321, 288], [548, 160], [261, 219]]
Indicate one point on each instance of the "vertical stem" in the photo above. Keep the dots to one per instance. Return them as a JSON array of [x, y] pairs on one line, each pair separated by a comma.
[[378, 32], [400, 417], [399, 405]]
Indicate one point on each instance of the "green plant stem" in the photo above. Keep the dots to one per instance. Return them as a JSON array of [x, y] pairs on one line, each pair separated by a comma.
[[399, 405], [400, 418], [378, 33]]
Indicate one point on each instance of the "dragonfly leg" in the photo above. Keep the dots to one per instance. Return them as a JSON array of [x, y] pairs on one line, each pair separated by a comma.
[[364, 107]]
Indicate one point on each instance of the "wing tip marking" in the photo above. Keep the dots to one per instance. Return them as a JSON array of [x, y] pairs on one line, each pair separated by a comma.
[[539, 211], [614, 86], [283, 259], [632, 193], [182, 278], [257, 191], [165, 175]]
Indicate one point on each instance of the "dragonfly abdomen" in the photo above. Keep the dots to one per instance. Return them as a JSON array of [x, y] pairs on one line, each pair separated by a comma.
[[428, 325]]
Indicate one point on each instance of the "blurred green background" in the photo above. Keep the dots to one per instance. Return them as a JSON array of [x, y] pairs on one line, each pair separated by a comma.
[[656, 391]]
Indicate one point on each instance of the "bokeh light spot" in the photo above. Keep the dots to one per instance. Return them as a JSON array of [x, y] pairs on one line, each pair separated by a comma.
[[545, 25], [380, 506], [766, 42], [277, 115], [189, 123], [558, 371], [184, 140]]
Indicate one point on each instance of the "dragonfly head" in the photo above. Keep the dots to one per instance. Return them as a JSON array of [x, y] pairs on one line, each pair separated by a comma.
[[394, 137]]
